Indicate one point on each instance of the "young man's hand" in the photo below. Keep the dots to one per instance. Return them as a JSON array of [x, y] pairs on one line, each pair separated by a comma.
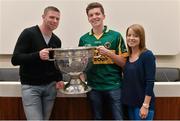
[[102, 50]]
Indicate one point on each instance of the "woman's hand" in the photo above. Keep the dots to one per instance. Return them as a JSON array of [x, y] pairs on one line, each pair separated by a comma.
[[143, 112]]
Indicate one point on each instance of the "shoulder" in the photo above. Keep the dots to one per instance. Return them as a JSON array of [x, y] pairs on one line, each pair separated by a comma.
[[56, 37], [85, 36], [29, 32], [31, 29], [114, 32], [148, 55], [83, 39]]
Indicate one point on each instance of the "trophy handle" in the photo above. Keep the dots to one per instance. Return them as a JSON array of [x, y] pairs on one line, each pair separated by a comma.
[[83, 78], [51, 55], [51, 59]]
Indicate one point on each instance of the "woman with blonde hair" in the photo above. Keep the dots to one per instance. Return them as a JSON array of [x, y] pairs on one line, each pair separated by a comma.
[[139, 76]]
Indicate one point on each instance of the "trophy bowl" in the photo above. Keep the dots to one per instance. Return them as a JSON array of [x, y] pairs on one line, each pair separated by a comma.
[[73, 61]]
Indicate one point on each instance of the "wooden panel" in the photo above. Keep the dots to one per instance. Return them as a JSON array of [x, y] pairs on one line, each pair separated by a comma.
[[9, 108], [77, 108], [71, 108], [21, 110], [167, 108]]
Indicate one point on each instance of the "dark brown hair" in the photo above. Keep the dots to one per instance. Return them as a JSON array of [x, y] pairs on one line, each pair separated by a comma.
[[94, 5]]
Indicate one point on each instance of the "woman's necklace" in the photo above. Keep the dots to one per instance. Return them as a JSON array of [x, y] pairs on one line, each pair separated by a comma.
[[134, 57]]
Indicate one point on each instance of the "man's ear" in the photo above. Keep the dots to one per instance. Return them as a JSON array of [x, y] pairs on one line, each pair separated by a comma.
[[104, 16], [43, 16]]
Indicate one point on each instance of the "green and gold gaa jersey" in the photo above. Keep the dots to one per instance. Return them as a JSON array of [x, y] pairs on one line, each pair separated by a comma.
[[103, 74]]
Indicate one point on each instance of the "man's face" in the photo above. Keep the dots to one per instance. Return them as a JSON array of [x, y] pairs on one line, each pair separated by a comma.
[[51, 19], [95, 17]]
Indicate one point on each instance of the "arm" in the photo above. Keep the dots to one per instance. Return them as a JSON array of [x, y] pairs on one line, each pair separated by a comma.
[[26, 50], [144, 110], [150, 67], [23, 51], [118, 59]]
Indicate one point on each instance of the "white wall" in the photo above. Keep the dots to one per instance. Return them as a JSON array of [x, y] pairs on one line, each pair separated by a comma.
[[160, 19], [162, 61], [179, 25], [168, 61]]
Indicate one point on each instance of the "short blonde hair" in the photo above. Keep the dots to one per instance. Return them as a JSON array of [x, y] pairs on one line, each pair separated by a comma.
[[51, 8]]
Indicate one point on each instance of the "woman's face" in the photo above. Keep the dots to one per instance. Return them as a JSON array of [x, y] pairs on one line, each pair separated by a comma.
[[132, 39]]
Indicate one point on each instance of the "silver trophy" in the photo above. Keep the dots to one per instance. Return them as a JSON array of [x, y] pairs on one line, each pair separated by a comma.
[[73, 61]]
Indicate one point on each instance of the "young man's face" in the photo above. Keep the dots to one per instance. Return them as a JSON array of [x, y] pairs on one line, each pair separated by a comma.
[[95, 17], [51, 19]]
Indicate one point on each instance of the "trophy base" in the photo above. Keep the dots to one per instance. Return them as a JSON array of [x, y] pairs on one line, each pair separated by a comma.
[[74, 91], [75, 86]]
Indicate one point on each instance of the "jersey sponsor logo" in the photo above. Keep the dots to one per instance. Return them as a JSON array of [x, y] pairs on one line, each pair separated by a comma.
[[101, 59]]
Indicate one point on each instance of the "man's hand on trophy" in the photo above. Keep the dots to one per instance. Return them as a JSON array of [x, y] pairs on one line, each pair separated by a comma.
[[60, 85], [44, 53]]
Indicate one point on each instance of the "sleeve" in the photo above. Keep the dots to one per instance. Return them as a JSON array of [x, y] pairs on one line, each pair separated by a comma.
[[122, 47], [80, 42], [22, 52], [60, 78], [150, 68]]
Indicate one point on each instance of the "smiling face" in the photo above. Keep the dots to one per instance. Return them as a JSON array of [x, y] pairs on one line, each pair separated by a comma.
[[133, 39], [95, 17]]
